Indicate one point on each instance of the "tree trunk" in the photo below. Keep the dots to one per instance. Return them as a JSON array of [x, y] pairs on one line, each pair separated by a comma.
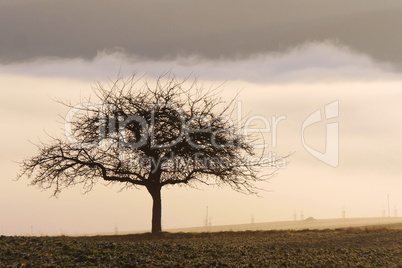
[[156, 209]]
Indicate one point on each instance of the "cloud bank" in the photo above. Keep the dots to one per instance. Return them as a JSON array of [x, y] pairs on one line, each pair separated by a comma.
[[166, 30], [311, 62]]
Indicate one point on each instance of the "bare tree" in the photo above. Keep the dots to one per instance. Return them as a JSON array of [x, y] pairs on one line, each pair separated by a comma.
[[173, 132]]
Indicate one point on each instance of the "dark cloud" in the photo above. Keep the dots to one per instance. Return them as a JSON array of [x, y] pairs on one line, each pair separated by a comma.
[[213, 29]]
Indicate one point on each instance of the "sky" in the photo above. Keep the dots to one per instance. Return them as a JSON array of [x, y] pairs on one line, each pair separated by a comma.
[[288, 60]]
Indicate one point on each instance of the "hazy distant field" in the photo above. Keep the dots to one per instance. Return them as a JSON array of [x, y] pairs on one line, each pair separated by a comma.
[[364, 247], [308, 223]]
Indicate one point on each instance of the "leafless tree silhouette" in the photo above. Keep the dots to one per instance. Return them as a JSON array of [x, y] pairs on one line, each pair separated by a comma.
[[171, 132]]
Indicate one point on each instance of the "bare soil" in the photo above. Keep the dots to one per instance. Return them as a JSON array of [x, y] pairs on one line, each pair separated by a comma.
[[352, 247]]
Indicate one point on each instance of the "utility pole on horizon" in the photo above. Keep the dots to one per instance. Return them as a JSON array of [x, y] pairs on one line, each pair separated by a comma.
[[389, 213], [206, 218]]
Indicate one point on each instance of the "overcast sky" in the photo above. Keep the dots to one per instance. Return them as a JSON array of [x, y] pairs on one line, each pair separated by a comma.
[[287, 58], [212, 29]]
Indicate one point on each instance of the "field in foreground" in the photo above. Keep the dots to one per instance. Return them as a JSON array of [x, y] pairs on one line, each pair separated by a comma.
[[358, 247]]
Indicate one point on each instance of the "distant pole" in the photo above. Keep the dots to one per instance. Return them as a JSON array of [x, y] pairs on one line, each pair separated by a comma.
[[206, 218], [389, 213]]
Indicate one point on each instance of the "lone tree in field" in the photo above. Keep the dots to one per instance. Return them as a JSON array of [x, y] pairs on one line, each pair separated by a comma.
[[173, 132]]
